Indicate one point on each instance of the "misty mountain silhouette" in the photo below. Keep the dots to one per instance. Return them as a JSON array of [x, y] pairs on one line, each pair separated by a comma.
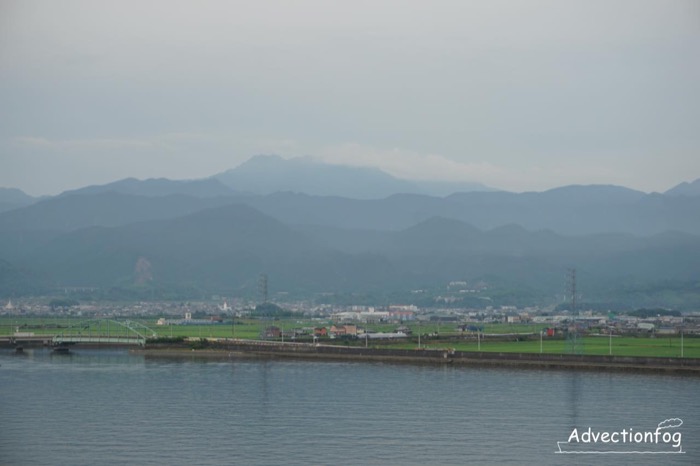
[[203, 237]]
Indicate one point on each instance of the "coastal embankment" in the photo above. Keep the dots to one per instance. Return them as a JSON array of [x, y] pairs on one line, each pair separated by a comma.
[[229, 349]]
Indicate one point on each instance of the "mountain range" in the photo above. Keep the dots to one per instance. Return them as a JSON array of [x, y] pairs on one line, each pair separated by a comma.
[[215, 236], [268, 174]]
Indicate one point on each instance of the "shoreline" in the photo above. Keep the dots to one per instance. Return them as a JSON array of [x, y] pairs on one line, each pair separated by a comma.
[[305, 351]]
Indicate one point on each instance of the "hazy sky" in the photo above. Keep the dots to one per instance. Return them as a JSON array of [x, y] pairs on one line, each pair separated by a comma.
[[520, 95]]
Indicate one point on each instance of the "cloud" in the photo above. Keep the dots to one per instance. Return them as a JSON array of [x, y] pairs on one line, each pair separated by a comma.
[[407, 164], [73, 163], [82, 144], [516, 170], [670, 423], [518, 95], [170, 141]]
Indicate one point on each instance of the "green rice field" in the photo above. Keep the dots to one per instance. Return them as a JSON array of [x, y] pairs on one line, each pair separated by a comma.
[[443, 336], [618, 346]]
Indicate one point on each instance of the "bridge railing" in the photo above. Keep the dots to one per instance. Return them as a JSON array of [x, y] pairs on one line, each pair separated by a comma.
[[105, 331]]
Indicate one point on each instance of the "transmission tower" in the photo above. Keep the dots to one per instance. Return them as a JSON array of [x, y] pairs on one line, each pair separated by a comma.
[[572, 291], [574, 340], [262, 288]]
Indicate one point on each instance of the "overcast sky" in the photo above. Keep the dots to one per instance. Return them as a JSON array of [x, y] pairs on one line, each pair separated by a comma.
[[519, 95]]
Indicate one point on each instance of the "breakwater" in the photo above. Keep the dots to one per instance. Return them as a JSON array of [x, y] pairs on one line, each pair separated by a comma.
[[242, 348]]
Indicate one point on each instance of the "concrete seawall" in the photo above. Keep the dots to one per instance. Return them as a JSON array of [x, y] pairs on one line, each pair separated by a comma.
[[241, 348]]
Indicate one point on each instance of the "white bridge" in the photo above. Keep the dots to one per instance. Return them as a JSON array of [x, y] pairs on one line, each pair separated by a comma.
[[105, 331]]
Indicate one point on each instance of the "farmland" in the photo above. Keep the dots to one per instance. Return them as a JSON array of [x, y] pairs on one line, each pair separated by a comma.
[[520, 338]]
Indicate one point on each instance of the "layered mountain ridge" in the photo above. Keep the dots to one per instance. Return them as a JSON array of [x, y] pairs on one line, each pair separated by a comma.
[[202, 237]]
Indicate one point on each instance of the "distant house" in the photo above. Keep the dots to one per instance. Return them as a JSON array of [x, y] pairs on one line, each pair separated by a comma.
[[321, 332], [293, 333], [342, 330], [645, 326], [271, 332], [401, 315]]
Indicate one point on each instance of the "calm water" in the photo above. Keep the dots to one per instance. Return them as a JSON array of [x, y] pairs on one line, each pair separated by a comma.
[[111, 407]]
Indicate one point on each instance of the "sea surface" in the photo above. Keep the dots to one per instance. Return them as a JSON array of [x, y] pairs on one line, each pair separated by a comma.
[[110, 407]]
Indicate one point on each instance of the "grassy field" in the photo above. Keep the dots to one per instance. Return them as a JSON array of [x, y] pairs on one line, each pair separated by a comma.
[[619, 346], [448, 338]]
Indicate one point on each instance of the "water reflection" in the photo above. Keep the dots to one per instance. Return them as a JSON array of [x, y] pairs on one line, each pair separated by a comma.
[[575, 397], [126, 409]]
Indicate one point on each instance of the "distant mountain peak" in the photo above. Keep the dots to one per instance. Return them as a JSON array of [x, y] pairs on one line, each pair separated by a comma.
[[157, 187], [267, 174], [260, 161], [594, 192], [13, 198], [691, 189], [14, 195]]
